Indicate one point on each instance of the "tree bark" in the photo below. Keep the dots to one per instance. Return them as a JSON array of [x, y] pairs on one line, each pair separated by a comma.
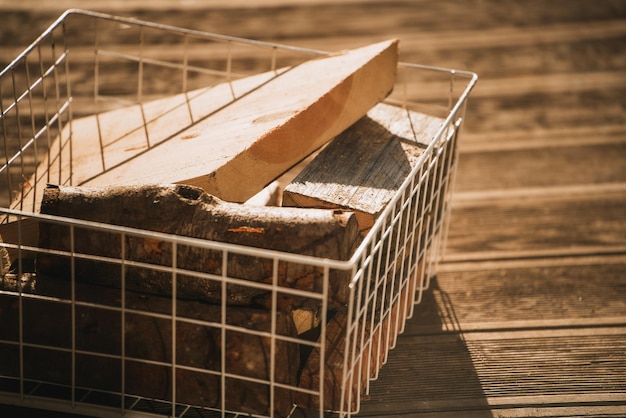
[[144, 336], [188, 211]]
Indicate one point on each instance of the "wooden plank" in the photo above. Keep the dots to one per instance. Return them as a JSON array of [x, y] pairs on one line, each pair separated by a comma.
[[94, 144], [445, 372], [540, 167], [526, 226], [239, 150], [495, 113], [363, 168], [542, 138], [576, 409], [536, 293], [555, 193]]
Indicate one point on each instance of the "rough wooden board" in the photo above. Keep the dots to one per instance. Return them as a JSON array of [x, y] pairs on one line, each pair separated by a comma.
[[236, 152], [363, 168]]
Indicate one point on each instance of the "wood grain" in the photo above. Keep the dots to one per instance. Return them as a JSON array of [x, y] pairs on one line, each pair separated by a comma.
[[548, 225], [236, 152], [92, 145], [363, 168], [547, 166], [524, 294], [101, 333], [503, 369]]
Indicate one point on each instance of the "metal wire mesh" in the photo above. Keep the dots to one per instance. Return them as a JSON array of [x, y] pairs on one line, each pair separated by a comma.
[[71, 345]]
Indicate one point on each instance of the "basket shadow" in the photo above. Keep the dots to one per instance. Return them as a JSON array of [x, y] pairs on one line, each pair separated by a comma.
[[431, 370]]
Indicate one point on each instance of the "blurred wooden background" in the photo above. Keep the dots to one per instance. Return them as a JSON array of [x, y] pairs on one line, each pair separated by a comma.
[[527, 315]]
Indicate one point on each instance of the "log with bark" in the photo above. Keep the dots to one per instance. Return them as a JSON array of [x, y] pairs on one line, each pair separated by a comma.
[[188, 211], [205, 335]]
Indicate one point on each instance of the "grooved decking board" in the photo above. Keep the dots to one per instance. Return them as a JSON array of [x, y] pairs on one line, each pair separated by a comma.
[[534, 368], [541, 167], [543, 138], [516, 227], [523, 294], [590, 107]]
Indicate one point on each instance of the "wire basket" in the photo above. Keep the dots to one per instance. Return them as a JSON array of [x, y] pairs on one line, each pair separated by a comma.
[[72, 345]]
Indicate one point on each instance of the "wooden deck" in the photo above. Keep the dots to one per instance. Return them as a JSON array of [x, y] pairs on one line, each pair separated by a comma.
[[527, 314]]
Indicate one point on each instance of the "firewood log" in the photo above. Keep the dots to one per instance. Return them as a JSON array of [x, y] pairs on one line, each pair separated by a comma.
[[147, 346], [188, 211]]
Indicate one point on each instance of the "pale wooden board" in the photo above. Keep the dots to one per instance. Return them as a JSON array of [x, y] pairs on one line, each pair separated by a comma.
[[91, 145], [239, 150], [363, 168]]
